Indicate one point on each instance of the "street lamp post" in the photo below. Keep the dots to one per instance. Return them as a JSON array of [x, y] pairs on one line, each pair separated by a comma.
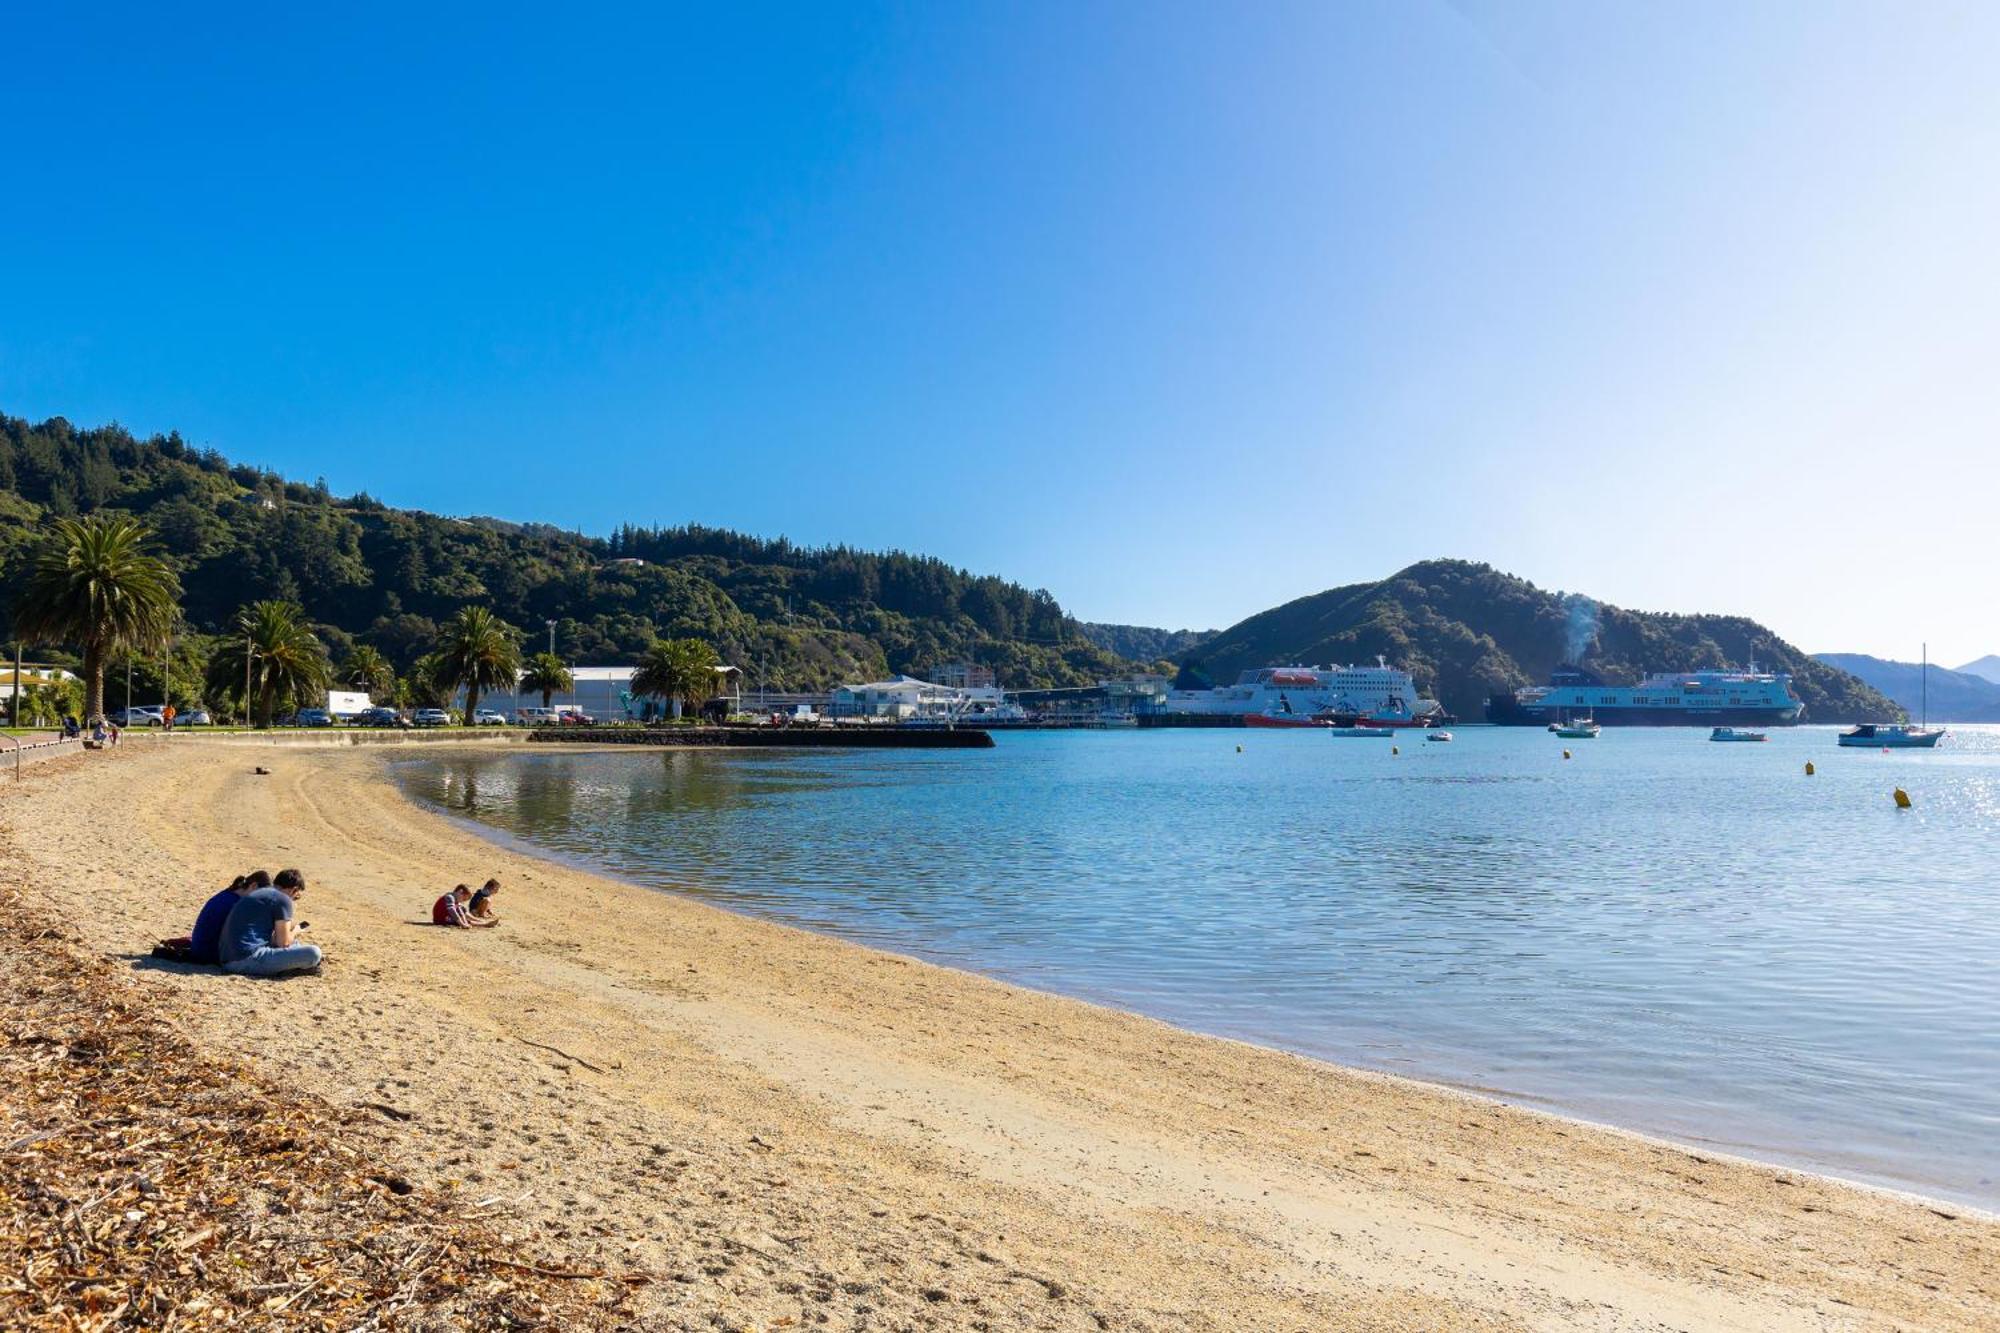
[[552, 637], [249, 652]]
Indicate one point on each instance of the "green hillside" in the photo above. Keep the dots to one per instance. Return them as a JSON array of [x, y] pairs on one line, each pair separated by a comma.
[[793, 617], [1141, 643], [1466, 631]]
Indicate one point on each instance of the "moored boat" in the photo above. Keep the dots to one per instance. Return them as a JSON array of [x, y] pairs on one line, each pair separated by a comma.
[[1736, 734], [1373, 696], [1579, 729], [1892, 736], [1370, 733], [1663, 699], [1900, 735], [1438, 736], [1282, 719]]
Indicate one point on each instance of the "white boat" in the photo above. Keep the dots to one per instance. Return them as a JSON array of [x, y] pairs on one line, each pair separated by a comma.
[[1900, 735], [1438, 736], [1379, 696], [1737, 734], [1368, 733], [1579, 729]]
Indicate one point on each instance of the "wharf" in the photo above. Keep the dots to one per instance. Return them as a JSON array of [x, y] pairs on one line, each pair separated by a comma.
[[858, 738]]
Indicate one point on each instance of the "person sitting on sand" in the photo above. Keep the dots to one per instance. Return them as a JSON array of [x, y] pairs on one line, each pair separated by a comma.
[[480, 909], [205, 944], [450, 910], [259, 939]]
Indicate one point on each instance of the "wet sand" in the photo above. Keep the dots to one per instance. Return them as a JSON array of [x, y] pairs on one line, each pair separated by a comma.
[[792, 1131]]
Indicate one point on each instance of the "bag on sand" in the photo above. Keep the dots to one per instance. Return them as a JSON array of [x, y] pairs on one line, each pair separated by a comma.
[[180, 949]]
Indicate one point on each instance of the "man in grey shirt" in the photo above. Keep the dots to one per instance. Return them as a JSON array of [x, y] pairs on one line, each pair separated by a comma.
[[259, 939]]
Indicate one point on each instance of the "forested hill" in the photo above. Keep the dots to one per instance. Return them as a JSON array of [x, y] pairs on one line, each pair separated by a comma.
[[1466, 631], [1140, 643], [795, 618]]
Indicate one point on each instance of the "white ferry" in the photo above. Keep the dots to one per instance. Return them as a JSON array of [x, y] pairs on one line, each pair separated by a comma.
[[1380, 696], [1664, 699]]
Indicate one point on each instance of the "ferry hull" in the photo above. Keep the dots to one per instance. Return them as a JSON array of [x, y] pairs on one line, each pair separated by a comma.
[[1508, 713]]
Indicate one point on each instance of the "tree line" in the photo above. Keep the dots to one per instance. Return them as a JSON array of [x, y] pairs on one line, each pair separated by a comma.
[[363, 574], [95, 584]]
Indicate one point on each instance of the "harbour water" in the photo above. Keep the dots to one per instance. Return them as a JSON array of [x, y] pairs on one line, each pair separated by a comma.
[[1686, 938]]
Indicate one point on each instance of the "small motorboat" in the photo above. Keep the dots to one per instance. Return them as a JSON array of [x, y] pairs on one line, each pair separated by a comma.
[[1892, 736], [1438, 736], [1579, 729], [1370, 733], [1736, 734]]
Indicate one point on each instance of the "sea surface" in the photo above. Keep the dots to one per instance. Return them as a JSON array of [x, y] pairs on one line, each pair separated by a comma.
[[1692, 939]]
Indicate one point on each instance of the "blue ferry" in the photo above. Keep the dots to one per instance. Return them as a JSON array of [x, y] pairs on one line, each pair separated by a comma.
[[1664, 699]]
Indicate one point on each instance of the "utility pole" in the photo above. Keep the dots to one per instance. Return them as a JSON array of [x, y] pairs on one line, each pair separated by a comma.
[[14, 716], [128, 686], [249, 651], [552, 638]]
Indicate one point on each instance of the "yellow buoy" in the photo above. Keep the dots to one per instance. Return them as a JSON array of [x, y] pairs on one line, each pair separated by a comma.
[[1239, 749], [1810, 770], [1902, 799], [1565, 754], [1395, 750]]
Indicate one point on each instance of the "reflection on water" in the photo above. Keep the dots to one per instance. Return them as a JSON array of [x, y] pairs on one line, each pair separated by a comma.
[[1689, 938]]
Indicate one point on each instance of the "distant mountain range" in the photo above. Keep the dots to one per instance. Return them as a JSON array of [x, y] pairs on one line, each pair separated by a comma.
[[1467, 631], [1140, 643], [1986, 668], [1956, 696]]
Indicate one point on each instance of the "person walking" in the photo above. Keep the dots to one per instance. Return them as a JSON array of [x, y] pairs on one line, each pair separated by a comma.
[[260, 938]]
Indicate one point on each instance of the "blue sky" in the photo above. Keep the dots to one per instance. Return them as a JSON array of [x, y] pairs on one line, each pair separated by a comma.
[[1177, 310]]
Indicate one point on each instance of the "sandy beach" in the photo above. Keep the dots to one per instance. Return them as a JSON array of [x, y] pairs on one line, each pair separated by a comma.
[[788, 1131]]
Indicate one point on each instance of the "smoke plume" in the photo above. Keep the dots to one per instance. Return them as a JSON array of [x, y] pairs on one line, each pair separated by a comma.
[[1581, 629]]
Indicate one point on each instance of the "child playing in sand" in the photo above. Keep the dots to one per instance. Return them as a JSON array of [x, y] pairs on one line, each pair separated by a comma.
[[451, 910], [480, 909]]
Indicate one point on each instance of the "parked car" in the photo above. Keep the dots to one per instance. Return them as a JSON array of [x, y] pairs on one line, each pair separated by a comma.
[[194, 717], [380, 717], [431, 717], [315, 717], [139, 715], [575, 717], [486, 717]]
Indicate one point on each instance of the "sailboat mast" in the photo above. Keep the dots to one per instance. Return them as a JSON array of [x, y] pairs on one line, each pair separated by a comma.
[[1927, 687]]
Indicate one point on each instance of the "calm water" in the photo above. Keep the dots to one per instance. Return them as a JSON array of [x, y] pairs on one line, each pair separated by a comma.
[[1682, 937]]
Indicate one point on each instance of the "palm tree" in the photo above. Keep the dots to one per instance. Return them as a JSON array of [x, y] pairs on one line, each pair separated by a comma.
[[547, 673], [94, 585], [287, 662], [478, 651], [366, 669], [421, 682], [681, 671]]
